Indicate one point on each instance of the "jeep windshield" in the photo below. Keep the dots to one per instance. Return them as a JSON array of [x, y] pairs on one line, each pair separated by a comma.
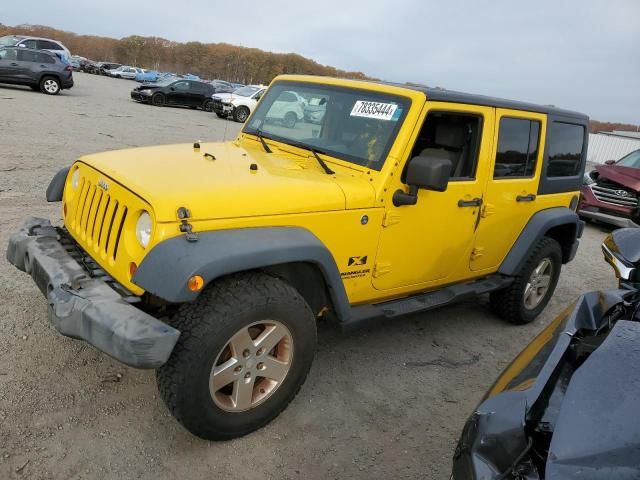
[[358, 126]]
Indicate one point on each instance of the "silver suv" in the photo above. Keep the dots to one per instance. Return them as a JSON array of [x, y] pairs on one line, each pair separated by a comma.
[[36, 43]]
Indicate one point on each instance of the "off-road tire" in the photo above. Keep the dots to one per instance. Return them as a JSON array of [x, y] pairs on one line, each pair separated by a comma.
[[509, 303], [206, 326], [157, 99], [241, 114], [50, 85]]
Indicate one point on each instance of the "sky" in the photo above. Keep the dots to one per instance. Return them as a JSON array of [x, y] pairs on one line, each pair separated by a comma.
[[576, 54]]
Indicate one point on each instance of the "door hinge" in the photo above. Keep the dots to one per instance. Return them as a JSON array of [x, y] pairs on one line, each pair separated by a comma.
[[476, 253], [391, 218], [381, 268]]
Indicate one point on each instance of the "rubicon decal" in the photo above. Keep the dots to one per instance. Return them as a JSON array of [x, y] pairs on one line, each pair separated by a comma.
[[357, 261]]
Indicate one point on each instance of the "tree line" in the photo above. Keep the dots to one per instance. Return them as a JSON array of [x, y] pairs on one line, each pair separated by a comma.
[[208, 60]]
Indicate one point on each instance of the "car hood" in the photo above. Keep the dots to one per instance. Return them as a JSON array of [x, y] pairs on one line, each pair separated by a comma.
[[236, 182], [625, 176], [495, 436]]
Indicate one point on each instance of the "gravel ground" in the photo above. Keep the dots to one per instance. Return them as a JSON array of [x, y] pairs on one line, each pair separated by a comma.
[[384, 402]]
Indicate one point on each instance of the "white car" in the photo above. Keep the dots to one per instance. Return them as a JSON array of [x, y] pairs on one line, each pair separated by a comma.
[[288, 108], [37, 43], [125, 72], [239, 104]]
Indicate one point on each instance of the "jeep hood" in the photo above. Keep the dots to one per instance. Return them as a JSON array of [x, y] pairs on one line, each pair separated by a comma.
[[173, 176], [625, 176]]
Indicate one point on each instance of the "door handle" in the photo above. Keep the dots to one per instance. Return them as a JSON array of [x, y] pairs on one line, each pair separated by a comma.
[[526, 198], [476, 202]]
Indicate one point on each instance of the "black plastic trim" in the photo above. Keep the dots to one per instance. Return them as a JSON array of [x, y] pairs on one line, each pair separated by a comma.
[[164, 271], [56, 186]]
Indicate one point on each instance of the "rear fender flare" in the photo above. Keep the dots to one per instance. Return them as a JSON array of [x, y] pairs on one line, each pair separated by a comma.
[[540, 225]]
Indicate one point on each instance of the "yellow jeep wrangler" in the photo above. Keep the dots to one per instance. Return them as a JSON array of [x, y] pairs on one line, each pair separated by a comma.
[[212, 262]]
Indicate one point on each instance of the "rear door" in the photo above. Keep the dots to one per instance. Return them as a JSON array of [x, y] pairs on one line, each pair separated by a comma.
[[9, 67], [510, 198]]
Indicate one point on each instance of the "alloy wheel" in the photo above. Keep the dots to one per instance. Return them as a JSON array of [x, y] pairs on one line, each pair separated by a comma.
[[538, 284], [251, 366], [51, 86]]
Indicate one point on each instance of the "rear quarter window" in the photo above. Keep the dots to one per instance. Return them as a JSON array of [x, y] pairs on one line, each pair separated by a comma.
[[565, 142]]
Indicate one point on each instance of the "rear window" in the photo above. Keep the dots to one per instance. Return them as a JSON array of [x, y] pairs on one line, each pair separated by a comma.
[[564, 146], [517, 152], [47, 45]]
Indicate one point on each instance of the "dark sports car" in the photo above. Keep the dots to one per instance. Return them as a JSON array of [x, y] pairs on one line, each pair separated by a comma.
[[176, 92], [567, 406]]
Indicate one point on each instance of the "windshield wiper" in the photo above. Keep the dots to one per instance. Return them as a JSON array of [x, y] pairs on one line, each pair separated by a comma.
[[315, 152], [261, 138]]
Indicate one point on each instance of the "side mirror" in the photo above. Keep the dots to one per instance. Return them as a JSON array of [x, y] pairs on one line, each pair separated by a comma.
[[429, 173], [610, 162]]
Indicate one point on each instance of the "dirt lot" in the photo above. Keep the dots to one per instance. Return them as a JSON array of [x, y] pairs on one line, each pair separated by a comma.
[[386, 402]]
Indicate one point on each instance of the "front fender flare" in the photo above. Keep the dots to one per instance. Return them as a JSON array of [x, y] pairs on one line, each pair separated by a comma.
[[164, 271]]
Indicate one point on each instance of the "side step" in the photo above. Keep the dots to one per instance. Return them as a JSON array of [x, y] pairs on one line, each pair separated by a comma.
[[421, 302]]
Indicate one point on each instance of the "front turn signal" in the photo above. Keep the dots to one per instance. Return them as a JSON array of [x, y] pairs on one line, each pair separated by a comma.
[[195, 283]]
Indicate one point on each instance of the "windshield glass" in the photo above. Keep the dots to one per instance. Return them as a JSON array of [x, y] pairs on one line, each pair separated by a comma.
[[358, 126], [632, 160], [246, 91], [8, 40]]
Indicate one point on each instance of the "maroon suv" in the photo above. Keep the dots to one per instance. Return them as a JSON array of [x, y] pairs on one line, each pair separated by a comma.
[[610, 193]]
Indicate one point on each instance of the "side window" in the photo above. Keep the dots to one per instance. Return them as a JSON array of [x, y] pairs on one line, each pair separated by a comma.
[[454, 136], [27, 56], [47, 45], [181, 86], [258, 95], [196, 87], [29, 44], [517, 152], [10, 54], [564, 146]]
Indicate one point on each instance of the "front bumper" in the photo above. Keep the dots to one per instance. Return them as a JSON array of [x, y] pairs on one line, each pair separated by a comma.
[[88, 308], [140, 97], [592, 208], [222, 108]]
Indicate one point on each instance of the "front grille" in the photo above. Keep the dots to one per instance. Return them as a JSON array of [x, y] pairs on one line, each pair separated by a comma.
[[611, 192], [99, 219]]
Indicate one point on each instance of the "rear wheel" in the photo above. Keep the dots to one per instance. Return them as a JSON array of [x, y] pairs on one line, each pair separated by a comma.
[[241, 114], [532, 287], [245, 348], [290, 120], [207, 106], [50, 85], [157, 99]]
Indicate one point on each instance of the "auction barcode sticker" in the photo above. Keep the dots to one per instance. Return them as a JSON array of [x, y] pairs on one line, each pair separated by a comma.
[[380, 111]]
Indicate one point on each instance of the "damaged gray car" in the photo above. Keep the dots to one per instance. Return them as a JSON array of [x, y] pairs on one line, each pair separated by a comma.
[[567, 406]]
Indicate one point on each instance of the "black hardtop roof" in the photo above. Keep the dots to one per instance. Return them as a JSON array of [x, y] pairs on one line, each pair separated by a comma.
[[444, 95]]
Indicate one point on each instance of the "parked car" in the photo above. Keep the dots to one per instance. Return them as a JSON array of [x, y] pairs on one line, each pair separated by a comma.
[[38, 69], [126, 72], [103, 68], [314, 110], [239, 104], [222, 256], [220, 86], [36, 43], [147, 76], [287, 109], [75, 63], [186, 93], [611, 192], [567, 406]]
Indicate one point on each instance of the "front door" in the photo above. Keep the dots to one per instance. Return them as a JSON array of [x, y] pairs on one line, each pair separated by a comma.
[[510, 199], [429, 243], [179, 93]]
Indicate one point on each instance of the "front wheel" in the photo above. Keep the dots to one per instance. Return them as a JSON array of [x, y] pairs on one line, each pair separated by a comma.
[[50, 85], [221, 115], [290, 120], [523, 300], [241, 114], [157, 99], [245, 349]]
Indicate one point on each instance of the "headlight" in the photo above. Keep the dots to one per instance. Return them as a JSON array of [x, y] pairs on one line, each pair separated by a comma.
[[143, 229], [75, 178]]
